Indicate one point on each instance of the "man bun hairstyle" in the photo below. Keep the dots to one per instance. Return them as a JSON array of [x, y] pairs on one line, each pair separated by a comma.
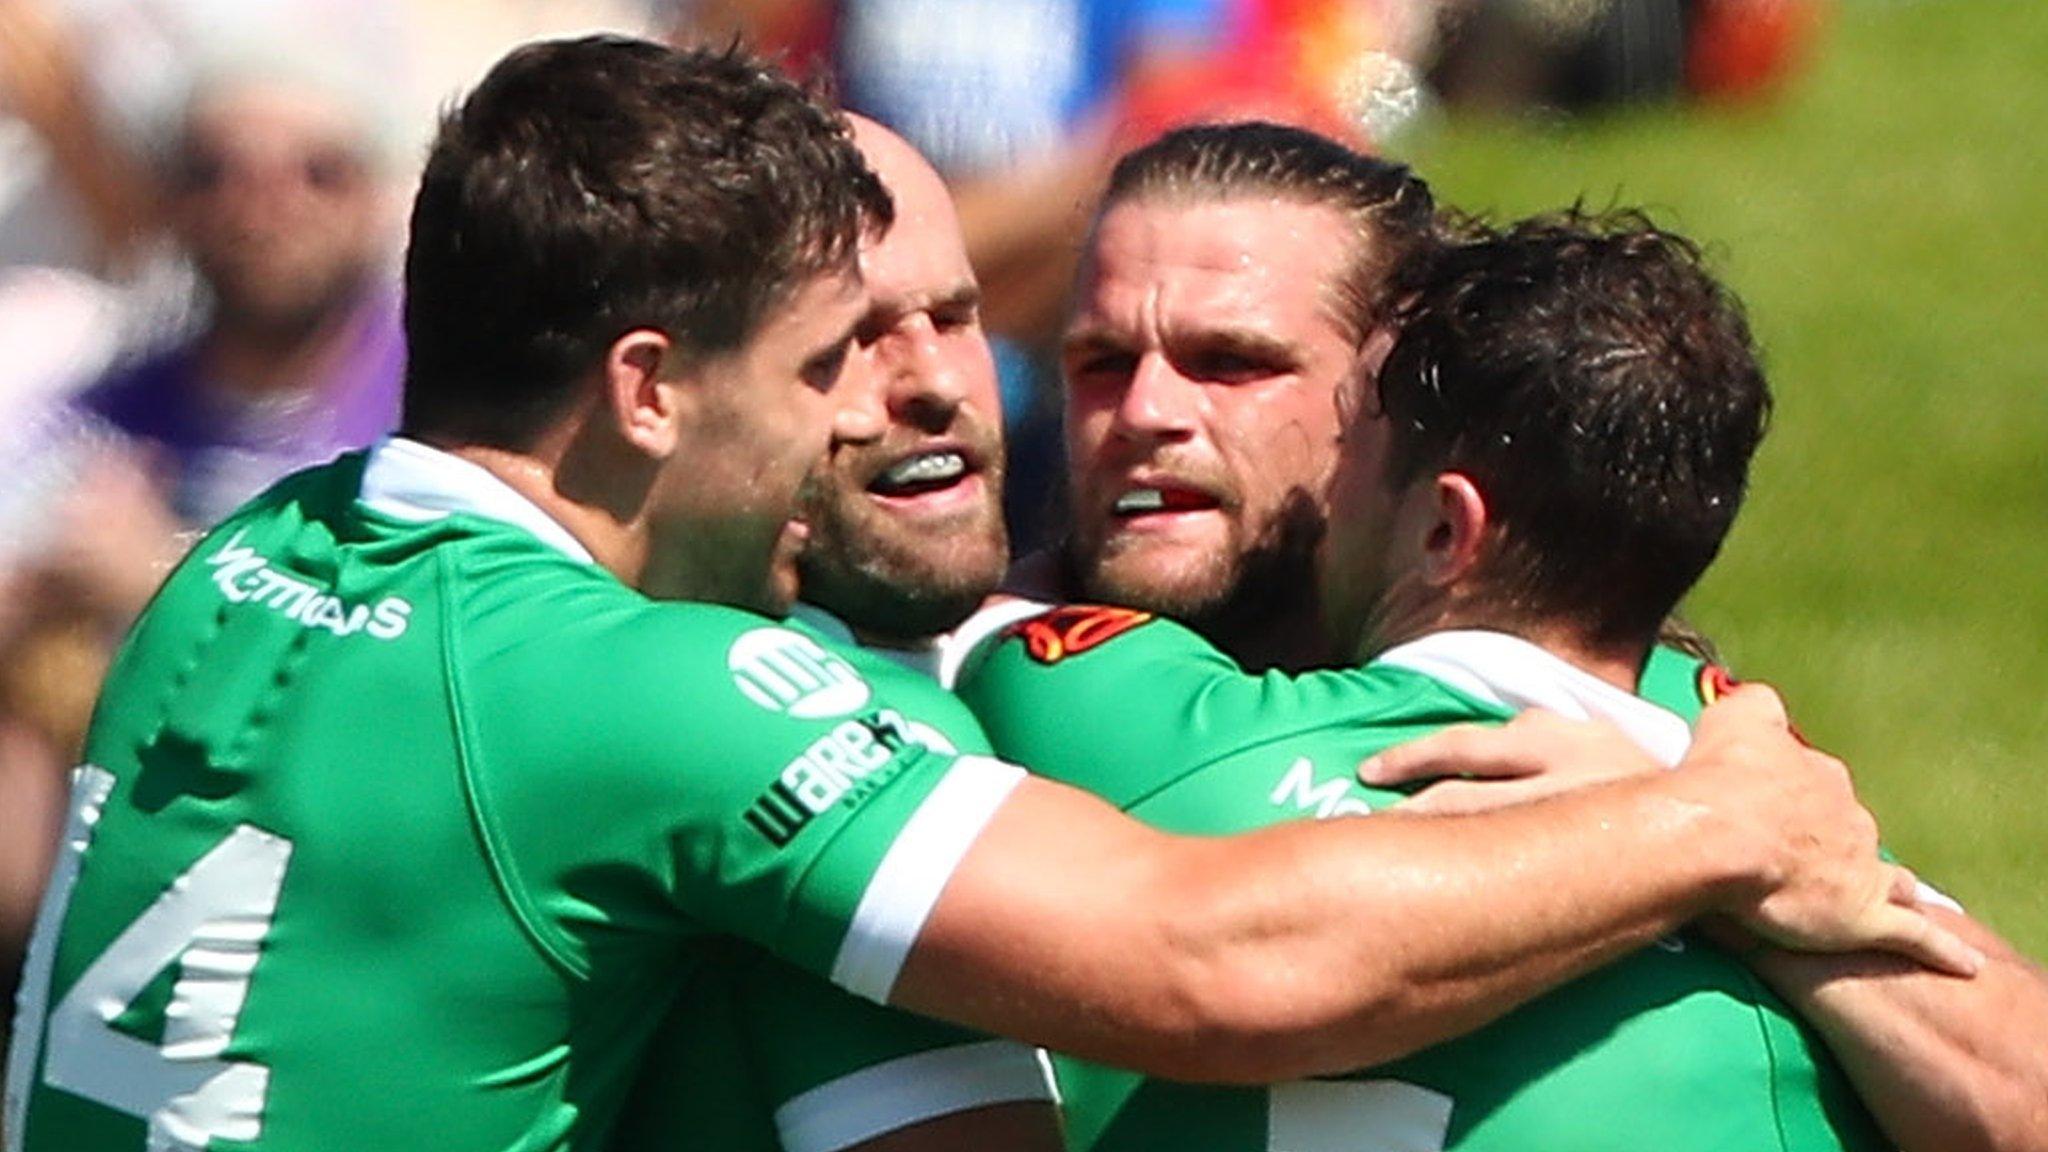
[[1390, 208]]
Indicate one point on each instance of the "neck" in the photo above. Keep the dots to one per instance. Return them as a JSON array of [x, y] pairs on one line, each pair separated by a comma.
[[1617, 664], [619, 546], [1261, 631], [869, 638]]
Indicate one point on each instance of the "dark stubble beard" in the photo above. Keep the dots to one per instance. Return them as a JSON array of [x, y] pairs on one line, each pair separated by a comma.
[[894, 587], [1265, 612]]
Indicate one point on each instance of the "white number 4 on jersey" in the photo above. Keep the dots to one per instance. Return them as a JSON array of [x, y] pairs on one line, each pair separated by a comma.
[[211, 922]]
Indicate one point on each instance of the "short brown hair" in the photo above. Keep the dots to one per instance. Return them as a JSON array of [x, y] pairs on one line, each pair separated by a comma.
[[589, 187], [1604, 392]]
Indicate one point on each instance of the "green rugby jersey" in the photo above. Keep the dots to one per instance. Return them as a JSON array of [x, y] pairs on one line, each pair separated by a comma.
[[1675, 1048], [761, 1056], [403, 824]]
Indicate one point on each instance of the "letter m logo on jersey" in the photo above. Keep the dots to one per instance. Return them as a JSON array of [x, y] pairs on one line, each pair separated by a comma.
[[785, 671]]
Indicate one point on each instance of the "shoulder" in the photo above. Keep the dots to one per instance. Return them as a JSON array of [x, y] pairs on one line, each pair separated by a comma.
[[648, 686], [1074, 659], [1122, 702], [1029, 634], [1093, 656]]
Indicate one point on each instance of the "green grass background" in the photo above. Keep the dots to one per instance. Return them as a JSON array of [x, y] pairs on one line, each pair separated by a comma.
[[1885, 218]]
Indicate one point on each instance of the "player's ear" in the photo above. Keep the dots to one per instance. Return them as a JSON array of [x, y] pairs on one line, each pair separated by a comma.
[[1457, 534], [1358, 394], [642, 391]]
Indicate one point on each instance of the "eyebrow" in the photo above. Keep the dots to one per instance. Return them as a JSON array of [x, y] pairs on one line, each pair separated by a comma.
[[882, 313], [1241, 341], [1084, 340], [965, 292]]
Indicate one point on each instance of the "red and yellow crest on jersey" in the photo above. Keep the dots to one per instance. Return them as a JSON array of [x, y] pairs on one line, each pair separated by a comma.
[[1714, 682], [1073, 629]]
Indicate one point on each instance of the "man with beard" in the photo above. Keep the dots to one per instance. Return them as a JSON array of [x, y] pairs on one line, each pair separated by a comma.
[[1559, 442], [906, 527], [1232, 279], [905, 540]]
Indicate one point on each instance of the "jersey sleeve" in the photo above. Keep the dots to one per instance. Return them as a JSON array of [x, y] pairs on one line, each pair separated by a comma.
[[747, 781]]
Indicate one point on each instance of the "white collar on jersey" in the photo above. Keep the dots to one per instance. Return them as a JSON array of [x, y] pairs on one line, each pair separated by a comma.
[[1512, 673], [408, 480], [939, 657]]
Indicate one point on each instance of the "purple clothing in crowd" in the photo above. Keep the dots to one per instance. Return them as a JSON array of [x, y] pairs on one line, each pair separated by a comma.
[[225, 448]]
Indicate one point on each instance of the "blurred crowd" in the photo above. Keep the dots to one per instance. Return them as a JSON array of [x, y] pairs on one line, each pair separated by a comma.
[[202, 209]]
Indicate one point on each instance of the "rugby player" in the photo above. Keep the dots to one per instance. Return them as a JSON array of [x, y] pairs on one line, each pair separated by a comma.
[[406, 817], [1569, 413], [905, 539]]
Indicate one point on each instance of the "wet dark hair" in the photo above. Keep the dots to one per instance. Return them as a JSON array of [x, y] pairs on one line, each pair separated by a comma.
[[1603, 391], [590, 187]]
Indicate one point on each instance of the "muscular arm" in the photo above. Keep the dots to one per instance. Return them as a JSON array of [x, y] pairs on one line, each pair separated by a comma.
[[1945, 1065], [1317, 947], [1203, 959]]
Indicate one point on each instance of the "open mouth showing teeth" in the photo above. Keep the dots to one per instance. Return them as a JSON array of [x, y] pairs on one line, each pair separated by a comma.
[[925, 472], [1139, 501]]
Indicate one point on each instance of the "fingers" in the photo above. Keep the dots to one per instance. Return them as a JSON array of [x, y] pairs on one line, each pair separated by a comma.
[[1909, 932], [1905, 887], [1455, 797], [1463, 797], [1462, 750], [1747, 705]]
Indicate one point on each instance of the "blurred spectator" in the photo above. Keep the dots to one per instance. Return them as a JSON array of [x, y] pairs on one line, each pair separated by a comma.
[[278, 190], [70, 197], [1577, 55]]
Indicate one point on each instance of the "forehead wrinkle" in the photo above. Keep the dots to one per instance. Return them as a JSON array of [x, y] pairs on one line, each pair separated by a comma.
[[888, 309]]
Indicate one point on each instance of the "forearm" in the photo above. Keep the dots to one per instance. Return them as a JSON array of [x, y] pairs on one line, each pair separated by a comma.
[[1945, 1065], [1309, 948]]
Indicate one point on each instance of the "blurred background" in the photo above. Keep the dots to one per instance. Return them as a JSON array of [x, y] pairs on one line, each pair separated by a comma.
[[202, 201]]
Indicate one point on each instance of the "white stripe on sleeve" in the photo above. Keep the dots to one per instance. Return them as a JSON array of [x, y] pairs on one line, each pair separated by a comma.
[[909, 1090], [915, 869]]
